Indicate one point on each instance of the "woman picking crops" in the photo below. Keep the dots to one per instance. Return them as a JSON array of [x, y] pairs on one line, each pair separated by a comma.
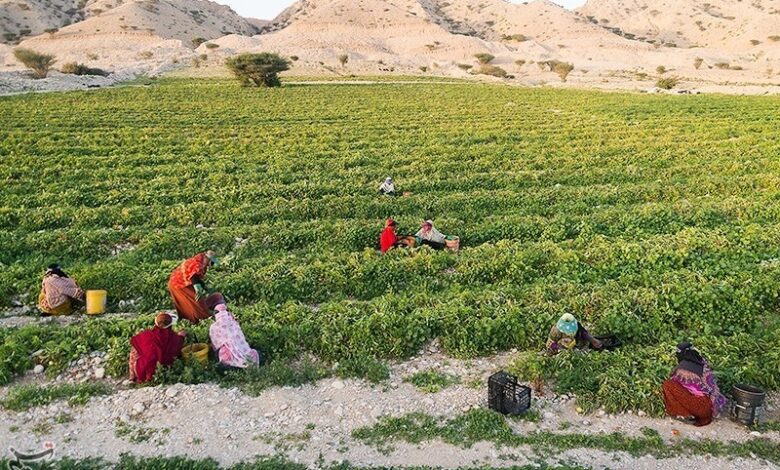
[[388, 187], [691, 391], [58, 292], [158, 345], [568, 334], [389, 239], [229, 342], [191, 298], [428, 235]]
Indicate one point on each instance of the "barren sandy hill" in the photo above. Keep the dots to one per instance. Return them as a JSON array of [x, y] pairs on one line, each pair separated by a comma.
[[24, 18], [723, 42], [367, 30], [733, 25], [167, 19], [148, 32]]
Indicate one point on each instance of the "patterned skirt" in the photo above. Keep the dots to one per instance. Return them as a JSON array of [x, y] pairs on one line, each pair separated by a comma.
[[681, 402]]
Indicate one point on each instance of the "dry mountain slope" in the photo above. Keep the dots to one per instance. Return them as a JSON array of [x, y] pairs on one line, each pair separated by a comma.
[[368, 30], [733, 25], [24, 18], [157, 32], [168, 19], [439, 33]]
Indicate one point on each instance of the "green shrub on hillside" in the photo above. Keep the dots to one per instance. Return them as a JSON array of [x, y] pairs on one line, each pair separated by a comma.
[[38, 63], [258, 69]]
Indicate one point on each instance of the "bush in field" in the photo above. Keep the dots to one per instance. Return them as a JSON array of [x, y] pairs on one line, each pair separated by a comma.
[[484, 58], [198, 41], [563, 69], [40, 64], [343, 59], [74, 68], [492, 70], [697, 63], [667, 83], [660, 69], [258, 69]]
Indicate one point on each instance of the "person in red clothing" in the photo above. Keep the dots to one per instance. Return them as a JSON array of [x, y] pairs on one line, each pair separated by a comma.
[[389, 239], [190, 296], [158, 345]]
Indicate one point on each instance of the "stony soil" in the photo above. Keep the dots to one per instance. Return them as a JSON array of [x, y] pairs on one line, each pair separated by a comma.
[[316, 421]]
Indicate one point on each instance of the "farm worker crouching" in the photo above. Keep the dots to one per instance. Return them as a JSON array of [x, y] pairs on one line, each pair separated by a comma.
[[389, 238], [691, 391], [428, 235], [158, 345], [229, 342], [388, 187], [188, 291], [58, 292], [568, 334]]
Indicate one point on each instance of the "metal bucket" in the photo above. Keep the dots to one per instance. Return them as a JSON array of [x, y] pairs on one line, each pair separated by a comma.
[[748, 404]]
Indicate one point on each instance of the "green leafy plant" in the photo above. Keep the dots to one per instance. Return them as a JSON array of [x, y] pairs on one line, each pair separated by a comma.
[[258, 69], [432, 381], [24, 397]]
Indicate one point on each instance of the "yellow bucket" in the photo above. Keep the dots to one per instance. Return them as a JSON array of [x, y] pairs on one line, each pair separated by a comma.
[[96, 302], [196, 351]]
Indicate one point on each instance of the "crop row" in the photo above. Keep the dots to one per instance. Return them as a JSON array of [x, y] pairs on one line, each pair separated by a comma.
[[651, 217]]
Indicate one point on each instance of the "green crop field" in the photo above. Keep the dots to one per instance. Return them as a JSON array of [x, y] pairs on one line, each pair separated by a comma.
[[656, 218]]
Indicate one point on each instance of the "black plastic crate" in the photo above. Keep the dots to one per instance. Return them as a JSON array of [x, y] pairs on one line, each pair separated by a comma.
[[506, 396]]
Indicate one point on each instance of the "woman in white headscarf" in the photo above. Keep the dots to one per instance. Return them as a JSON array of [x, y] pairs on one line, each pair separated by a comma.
[[388, 187], [229, 342], [428, 235]]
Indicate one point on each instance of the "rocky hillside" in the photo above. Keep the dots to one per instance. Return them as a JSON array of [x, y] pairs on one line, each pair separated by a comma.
[[734, 25], [168, 19]]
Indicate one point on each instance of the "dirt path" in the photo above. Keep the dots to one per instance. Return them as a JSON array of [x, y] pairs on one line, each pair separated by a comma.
[[316, 421]]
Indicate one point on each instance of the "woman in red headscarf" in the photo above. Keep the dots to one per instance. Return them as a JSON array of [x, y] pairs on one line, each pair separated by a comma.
[[188, 290], [158, 345]]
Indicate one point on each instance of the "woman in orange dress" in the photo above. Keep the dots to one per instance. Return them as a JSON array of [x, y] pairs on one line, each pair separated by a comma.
[[188, 290]]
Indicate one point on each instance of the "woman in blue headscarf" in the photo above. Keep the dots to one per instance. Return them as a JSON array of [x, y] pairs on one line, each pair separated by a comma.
[[568, 334]]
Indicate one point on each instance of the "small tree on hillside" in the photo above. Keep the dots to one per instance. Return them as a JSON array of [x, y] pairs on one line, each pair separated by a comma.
[[258, 69], [484, 58], [667, 83], [343, 58], [40, 64], [563, 69]]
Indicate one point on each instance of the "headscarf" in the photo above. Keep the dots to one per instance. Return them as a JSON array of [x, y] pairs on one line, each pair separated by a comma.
[[689, 358], [429, 232], [56, 270], [390, 223], [211, 256], [229, 341], [389, 181], [567, 324], [163, 320]]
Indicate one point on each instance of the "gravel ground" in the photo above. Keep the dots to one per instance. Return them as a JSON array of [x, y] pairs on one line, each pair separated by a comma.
[[200, 421]]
